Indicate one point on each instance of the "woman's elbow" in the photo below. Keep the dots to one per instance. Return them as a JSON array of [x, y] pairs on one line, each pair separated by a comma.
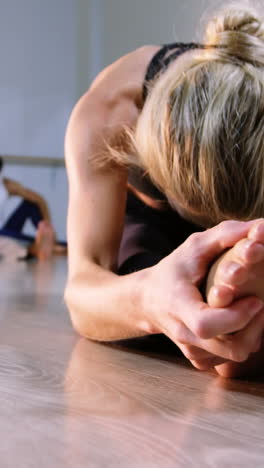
[[78, 322], [83, 321]]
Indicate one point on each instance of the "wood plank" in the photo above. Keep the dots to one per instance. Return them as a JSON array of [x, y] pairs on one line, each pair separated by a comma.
[[69, 402]]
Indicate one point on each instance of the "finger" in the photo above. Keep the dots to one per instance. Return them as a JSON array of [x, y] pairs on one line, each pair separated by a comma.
[[193, 353], [233, 348], [248, 251], [238, 347], [220, 296], [231, 273], [256, 232], [249, 339], [206, 322], [207, 245], [207, 364], [196, 349], [200, 358]]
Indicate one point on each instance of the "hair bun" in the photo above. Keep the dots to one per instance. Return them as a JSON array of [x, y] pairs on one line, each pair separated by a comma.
[[234, 18]]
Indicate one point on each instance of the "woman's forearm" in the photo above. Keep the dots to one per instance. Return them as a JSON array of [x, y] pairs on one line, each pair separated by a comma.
[[104, 306]]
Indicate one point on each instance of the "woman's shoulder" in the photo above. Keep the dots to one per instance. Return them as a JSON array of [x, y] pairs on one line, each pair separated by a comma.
[[127, 74], [113, 101], [141, 56]]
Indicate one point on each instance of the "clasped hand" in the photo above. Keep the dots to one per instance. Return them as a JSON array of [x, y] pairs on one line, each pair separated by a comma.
[[172, 303]]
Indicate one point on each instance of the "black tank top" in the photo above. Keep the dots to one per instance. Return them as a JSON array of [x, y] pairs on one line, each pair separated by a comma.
[[159, 63]]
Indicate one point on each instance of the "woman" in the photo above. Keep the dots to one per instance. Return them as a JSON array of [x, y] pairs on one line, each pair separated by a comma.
[[31, 207], [169, 141]]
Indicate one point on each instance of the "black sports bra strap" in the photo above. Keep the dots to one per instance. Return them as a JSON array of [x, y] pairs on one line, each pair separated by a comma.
[[154, 67], [181, 48], [163, 58]]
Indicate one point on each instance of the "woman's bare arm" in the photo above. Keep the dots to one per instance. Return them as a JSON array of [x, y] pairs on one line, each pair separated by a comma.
[[102, 305]]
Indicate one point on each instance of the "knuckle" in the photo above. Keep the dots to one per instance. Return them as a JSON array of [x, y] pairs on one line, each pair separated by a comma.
[[194, 239], [227, 224], [237, 319], [202, 364], [189, 353], [178, 333], [240, 318], [200, 329], [238, 353]]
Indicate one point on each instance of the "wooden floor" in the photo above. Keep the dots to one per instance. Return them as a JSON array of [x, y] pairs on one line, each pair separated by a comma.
[[67, 402]]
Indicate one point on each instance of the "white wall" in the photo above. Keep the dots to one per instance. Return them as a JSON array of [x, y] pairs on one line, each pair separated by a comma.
[[38, 88], [127, 24], [38, 74], [50, 50]]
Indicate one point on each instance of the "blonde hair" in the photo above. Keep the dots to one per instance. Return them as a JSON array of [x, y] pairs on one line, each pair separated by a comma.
[[200, 136]]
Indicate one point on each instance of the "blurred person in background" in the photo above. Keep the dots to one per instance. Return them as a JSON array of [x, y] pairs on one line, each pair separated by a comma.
[[32, 207]]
